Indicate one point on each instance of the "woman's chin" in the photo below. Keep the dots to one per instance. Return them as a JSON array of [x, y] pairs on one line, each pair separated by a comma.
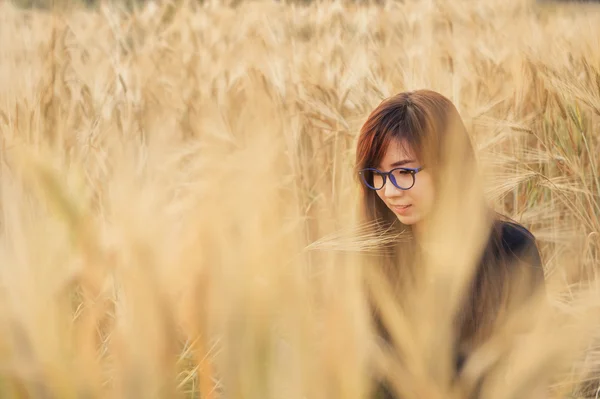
[[407, 220]]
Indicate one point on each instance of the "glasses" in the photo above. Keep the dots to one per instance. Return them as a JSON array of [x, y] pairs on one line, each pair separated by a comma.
[[403, 178]]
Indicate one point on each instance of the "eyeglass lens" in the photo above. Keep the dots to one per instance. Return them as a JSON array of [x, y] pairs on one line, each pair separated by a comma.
[[401, 178]]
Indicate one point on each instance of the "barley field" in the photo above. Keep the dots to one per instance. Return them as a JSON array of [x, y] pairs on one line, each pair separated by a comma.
[[178, 204]]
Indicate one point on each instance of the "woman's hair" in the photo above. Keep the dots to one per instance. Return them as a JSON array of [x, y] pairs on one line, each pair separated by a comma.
[[430, 125], [426, 122]]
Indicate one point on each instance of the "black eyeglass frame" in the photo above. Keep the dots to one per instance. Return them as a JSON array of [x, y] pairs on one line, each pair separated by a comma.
[[412, 171]]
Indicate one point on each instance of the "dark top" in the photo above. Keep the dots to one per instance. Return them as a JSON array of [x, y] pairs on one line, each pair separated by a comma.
[[518, 242], [515, 246], [518, 252]]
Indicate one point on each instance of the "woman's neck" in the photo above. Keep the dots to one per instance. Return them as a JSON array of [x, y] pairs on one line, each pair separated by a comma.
[[420, 230], [424, 240]]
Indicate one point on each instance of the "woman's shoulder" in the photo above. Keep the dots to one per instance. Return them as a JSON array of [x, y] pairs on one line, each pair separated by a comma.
[[519, 245], [515, 237]]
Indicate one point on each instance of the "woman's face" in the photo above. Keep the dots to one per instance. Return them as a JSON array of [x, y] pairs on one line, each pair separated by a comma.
[[410, 206]]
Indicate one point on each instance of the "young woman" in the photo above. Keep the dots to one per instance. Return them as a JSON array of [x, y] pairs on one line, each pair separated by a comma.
[[412, 147]]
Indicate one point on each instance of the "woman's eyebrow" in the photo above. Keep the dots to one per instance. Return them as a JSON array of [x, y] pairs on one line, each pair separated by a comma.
[[403, 162]]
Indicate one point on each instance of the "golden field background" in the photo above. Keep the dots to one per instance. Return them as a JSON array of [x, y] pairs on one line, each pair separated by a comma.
[[178, 200]]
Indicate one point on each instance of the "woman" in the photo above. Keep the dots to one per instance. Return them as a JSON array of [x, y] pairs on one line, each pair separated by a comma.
[[414, 158]]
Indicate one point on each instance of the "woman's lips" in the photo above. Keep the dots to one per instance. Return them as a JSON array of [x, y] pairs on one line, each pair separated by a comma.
[[401, 209]]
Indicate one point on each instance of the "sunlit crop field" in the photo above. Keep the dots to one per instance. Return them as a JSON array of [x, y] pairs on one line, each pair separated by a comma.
[[178, 200]]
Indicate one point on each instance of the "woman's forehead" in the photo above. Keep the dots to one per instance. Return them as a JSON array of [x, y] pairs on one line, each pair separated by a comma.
[[397, 151]]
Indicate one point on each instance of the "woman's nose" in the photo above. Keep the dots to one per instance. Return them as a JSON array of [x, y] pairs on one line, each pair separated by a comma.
[[392, 191]]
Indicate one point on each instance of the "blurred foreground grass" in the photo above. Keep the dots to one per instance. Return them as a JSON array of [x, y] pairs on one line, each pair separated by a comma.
[[177, 204]]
